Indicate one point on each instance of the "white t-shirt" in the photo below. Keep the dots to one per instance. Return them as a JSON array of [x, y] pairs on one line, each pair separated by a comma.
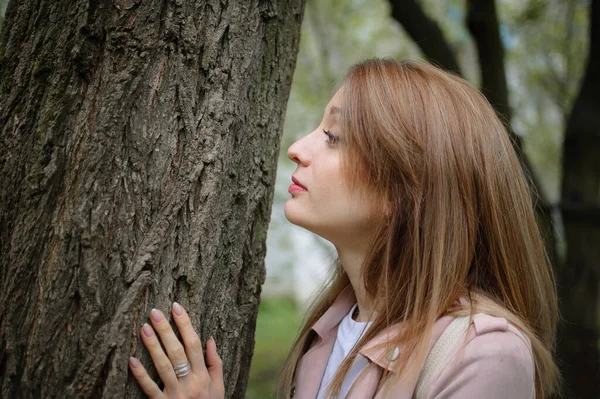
[[349, 332]]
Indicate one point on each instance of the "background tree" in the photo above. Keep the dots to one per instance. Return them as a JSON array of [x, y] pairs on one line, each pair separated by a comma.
[[579, 277], [138, 146], [578, 272]]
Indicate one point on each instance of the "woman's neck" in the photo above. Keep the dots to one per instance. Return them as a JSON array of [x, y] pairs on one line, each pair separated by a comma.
[[351, 260]]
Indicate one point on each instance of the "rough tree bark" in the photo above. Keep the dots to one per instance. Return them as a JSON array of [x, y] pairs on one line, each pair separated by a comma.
[[579, 278], [138, 148]]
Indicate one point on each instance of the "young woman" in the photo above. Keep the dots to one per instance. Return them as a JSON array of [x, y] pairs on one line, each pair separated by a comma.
[[442, 289]]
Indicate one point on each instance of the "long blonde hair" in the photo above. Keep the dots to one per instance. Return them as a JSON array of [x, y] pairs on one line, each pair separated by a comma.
[[460, 221]]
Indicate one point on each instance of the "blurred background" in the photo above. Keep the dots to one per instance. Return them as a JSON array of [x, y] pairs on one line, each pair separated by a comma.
[[546, 48], [543, 47]]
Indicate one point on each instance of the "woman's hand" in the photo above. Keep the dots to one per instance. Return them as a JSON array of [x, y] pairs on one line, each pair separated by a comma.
[[196, 380]]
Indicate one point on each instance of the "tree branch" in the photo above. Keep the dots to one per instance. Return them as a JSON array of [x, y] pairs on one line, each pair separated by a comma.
[[482, 21], [425, 33]]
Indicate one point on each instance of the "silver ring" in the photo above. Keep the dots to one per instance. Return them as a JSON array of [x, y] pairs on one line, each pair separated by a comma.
[[183, 369]]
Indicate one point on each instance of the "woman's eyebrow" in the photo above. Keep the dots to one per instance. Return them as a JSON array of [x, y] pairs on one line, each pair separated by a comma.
[[334, 110]]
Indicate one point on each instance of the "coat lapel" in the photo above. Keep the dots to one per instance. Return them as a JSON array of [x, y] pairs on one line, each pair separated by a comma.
[[311, 366]]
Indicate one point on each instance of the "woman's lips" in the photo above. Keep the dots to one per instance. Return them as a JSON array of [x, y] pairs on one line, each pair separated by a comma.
[[294, 188]]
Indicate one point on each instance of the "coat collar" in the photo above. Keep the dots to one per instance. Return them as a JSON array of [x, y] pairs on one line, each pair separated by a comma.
[[336, 312], [377, 350], [312, 365]]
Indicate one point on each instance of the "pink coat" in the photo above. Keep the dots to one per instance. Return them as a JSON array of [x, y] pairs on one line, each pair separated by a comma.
[[496, 361]]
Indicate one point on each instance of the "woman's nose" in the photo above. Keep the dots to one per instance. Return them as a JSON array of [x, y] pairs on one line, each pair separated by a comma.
[[299, 152]]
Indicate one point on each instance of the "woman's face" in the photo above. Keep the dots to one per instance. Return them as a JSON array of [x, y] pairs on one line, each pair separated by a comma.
[[327, 207]]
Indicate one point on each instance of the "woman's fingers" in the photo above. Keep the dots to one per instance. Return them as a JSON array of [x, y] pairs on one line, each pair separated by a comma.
[[193, 346], [207, 378], [174, 349], [215, 366], [162, 364], [148, 386]]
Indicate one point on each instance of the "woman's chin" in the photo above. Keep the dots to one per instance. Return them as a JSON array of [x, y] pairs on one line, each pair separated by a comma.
[[296, 216], [292, 215]]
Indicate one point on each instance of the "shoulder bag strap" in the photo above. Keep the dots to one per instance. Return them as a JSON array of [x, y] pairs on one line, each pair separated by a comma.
[[438, 354]]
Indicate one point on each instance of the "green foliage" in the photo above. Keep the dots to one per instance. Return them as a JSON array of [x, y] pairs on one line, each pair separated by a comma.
[[276, 328], [547, 66]]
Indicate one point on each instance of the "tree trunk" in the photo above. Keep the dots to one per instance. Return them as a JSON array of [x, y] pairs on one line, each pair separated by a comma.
[[138, 149], [579, 278]]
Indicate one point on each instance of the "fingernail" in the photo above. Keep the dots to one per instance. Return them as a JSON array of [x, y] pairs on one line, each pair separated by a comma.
[[147, 330], [133, 361], [156, 316], [215, 342], [177, 309]]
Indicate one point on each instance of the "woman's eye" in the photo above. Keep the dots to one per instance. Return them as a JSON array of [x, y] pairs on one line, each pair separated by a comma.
[[331, 138]]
